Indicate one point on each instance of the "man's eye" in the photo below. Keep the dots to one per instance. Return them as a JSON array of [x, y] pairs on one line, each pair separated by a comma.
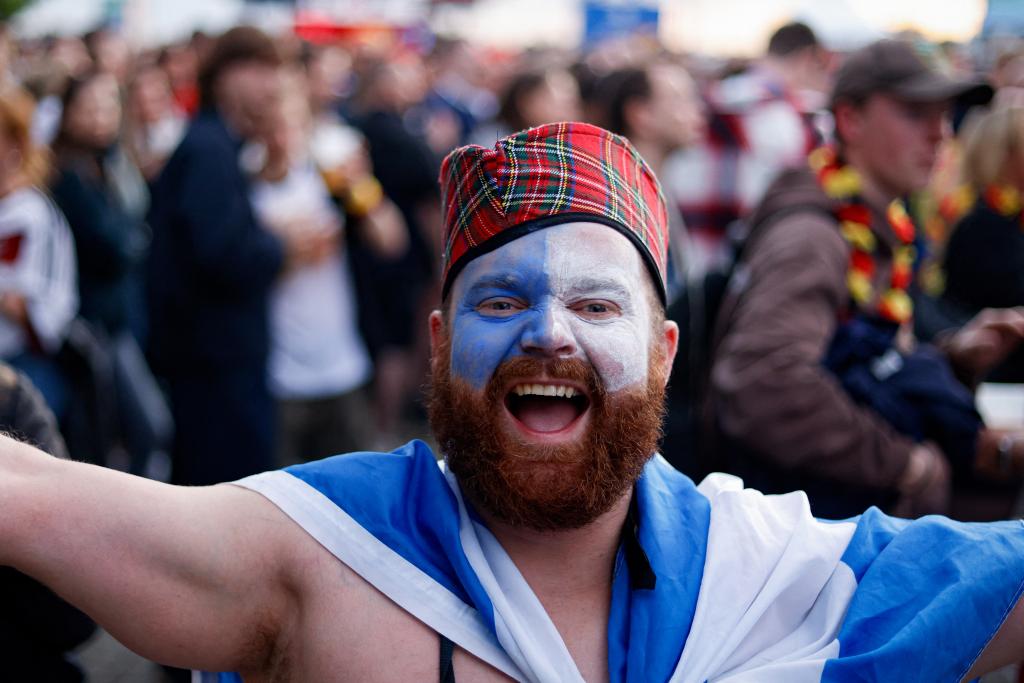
[[498, 306], [596, 309]]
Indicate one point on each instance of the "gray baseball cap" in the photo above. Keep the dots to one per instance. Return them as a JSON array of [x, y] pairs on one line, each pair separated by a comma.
[[894, 68]]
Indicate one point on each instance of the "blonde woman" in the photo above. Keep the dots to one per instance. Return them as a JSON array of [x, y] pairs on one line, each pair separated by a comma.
[[984, 260], [38, 279]]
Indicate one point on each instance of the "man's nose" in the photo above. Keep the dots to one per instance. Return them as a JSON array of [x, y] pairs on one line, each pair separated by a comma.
[[549, 335], [938, 125]]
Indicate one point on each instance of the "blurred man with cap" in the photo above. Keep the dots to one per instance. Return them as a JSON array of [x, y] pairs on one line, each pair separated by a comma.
[[552, 543], [816, 382]]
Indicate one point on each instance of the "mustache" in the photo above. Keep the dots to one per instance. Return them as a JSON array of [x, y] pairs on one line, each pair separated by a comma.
[[525, 367], [583, 479]]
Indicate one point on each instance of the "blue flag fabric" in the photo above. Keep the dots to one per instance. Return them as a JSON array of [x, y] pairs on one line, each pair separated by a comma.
[[747, 587]]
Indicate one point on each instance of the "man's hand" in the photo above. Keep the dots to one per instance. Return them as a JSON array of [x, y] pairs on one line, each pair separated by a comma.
[[384, 230], [926, 485], [999, 454], [986, 340], [14, 307], [308, 241]]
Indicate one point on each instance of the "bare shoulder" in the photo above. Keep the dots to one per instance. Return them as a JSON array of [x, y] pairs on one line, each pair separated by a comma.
[[343, 628], [254, 527], [1005, 648]]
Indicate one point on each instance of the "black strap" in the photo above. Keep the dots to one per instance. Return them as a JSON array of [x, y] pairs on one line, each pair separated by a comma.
[[447, 670], [641, 574], [755, 231]]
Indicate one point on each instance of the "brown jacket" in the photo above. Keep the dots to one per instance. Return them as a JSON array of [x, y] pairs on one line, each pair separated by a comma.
[[769, 390]]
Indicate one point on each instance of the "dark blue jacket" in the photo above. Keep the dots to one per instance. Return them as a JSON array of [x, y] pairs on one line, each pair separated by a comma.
[[915, 392], [211, 264], [110, 243]]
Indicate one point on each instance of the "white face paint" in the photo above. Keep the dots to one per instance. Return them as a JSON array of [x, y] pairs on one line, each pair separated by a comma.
[[594, 263], [573, 290]]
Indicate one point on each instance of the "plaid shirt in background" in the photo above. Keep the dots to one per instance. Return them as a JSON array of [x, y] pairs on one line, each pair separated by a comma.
[[756, 129]]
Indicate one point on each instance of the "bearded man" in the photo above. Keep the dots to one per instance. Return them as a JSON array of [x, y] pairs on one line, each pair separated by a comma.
[[552, 544]]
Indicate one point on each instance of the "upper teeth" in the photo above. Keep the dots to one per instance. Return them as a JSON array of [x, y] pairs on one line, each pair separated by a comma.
[[545, 390]]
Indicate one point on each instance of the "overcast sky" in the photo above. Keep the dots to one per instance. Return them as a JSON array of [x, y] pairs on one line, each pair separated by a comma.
[[708, 26]]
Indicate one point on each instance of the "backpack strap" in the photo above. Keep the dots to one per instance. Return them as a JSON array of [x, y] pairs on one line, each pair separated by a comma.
[[446, 667], [730, 277], [713, 294]]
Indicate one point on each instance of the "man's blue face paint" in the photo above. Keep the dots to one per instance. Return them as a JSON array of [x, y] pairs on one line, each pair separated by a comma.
[[574, 290]]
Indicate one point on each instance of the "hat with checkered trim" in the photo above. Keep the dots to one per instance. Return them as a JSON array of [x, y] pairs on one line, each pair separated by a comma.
[[549, 175]]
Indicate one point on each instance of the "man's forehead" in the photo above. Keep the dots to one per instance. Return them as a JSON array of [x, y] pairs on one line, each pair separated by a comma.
[[893, 100], [610, 243], [570, 251]]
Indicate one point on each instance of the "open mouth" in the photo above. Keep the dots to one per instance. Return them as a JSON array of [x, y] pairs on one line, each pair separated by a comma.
[[546, 408]]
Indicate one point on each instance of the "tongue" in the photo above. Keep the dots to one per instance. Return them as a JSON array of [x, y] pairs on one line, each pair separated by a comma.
[[545, 414]]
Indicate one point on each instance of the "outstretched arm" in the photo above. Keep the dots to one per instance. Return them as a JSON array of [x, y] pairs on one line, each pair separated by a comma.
[[195, 577], [1005, 648]]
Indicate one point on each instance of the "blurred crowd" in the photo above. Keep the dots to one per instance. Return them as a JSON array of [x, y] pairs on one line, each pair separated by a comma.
[[216, 257]]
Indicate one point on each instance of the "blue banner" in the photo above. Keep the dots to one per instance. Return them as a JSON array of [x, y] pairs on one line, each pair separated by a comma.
[[1004, 18], [609, 19]]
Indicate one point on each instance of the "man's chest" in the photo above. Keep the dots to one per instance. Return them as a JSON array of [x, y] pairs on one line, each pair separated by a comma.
[[346, 630]]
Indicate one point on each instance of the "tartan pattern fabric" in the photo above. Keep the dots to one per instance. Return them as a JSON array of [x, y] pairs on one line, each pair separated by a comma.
[[543, 176]]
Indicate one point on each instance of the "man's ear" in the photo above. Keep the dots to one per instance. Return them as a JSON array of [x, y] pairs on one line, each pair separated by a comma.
[[436, 323], [849, 119], [636, 114], [670, 340]]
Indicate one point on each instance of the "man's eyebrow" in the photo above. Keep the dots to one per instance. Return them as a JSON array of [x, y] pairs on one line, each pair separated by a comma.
[[613, 286], [496, 281]]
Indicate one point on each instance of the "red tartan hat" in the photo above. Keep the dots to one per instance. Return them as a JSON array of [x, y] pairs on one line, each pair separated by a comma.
[[555, 173]]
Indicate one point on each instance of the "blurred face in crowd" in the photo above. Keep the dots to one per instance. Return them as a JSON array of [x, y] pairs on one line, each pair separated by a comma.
[[7, 52], [93, 116], [151, 95], [246, 93], [182, 64], [17, 155], [674, 114], [557, 98], [1009, 73], [327, 74], [460, 61], [111, 54], [411, 82], [11, 157], [287, 123], [1013, 173], [71, 55], [548, 375], [396, 86], [810, 69], [893, 142]]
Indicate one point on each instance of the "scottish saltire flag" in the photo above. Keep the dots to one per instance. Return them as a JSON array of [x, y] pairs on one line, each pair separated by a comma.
[[716, 583]]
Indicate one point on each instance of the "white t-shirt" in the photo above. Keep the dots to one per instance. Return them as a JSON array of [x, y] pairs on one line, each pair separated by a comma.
[[316, 348], [37, 261]]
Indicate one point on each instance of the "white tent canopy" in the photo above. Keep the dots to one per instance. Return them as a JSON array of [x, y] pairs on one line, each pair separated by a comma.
[[711, 27], [145, 22]]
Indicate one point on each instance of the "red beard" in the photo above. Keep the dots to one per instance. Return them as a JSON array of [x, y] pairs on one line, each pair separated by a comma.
[[544, 487]]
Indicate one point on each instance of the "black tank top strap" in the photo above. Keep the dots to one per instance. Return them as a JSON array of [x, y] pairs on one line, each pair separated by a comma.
[[447, 669]]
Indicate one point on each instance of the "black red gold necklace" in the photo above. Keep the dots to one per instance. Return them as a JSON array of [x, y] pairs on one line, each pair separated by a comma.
[[843, 184]]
